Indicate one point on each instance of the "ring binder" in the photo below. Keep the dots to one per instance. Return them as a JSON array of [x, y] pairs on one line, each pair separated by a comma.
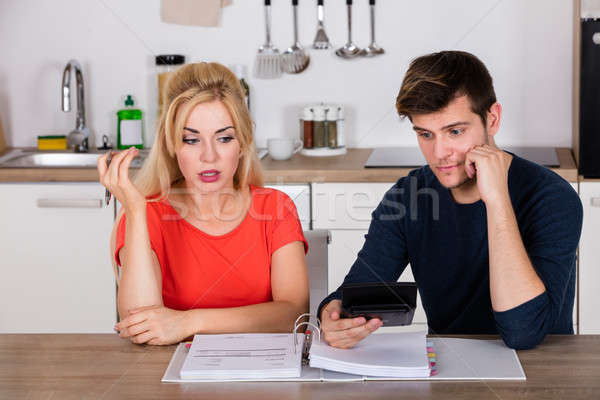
[[251, 356]]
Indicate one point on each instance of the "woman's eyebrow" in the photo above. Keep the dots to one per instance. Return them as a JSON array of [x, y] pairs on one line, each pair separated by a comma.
[[186, 128], [223, 129]]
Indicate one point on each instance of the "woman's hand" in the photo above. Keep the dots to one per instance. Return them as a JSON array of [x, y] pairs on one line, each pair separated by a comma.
[[155, 325], [115, 177]]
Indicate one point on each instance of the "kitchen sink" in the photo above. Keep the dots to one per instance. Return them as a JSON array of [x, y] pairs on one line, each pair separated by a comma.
[[22, 159]]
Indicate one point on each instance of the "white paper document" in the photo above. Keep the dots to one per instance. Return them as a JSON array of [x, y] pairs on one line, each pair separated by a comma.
[[247, 356], [402, 355]]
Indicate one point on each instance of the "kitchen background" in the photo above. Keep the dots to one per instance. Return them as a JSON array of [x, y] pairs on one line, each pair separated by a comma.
[[527, 46]]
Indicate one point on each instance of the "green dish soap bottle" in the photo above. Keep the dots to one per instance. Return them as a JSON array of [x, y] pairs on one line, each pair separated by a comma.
[[129, 128]]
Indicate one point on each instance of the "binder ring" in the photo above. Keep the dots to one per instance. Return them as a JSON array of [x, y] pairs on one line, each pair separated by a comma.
[[296, 326], [307, 315]]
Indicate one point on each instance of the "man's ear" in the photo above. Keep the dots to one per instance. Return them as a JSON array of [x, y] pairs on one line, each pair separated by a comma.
[[493, 119]]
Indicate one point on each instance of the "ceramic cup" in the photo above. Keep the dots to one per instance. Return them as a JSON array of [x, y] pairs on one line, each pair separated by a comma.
[[283, 149]]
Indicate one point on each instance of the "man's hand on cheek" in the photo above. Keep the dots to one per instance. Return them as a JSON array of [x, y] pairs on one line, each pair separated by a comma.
[[490, 166]]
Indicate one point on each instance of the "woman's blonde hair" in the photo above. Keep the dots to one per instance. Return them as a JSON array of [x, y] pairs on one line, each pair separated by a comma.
[[187, 87]]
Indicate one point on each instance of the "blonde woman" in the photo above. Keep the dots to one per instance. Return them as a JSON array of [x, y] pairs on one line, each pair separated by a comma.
[[202, 246]]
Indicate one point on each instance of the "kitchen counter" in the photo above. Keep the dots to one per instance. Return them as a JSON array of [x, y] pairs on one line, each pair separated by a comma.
[[299, 169]]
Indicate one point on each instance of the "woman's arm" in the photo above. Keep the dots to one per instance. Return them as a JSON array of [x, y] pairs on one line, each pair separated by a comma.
[[141, 282], [289, 286]]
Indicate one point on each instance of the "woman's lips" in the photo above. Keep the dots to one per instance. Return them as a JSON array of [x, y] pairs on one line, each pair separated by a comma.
[[209, 175]]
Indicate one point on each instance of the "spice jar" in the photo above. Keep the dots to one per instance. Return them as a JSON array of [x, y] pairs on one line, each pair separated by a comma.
[[341, 138], [319, 133], [306, 128], [165, 65], [331, 114]]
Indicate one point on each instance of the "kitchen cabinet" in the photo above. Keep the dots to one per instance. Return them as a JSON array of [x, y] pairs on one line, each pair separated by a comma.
[[575, 187], [56, 271], [589, 259]]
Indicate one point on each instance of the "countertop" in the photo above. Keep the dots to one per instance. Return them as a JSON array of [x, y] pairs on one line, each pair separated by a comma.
[[299, 169], [105, 366]]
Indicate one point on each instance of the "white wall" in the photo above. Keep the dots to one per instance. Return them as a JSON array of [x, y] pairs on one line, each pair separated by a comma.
[[527, 45]]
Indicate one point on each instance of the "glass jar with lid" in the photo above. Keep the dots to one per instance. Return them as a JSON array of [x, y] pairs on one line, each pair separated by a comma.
[[306, 127], [165, 64]]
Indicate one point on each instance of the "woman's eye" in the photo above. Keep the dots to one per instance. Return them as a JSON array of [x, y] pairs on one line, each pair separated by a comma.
[[225, 139], [425, 135], [190, 140]]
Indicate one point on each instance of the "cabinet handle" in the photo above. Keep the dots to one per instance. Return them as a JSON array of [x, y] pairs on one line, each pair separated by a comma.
[[69, 203], [595, 201]]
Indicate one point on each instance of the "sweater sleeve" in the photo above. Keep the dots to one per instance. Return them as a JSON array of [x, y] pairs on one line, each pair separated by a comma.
[[383, 256], [550, 238]]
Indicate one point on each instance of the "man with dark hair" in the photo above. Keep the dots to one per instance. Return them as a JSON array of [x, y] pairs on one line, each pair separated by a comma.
[[491, 238]]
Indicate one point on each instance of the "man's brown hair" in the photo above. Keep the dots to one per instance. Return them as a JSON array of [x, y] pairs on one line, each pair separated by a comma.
[[434, 80]]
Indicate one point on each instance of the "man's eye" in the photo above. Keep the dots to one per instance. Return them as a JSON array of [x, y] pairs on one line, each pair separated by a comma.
[[225, 139], [425, 135], [190, 140], [455, 132]]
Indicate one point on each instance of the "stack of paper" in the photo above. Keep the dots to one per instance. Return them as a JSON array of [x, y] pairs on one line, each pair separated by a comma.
[[243, 356], [399, 355]]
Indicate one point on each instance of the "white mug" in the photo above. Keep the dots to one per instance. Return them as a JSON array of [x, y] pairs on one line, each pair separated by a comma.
[[283, 149]]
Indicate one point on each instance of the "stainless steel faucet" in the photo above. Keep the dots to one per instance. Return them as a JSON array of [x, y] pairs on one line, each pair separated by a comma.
[[78, 139]]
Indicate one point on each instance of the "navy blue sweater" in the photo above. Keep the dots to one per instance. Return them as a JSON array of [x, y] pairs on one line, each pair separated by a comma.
[[447, 248]]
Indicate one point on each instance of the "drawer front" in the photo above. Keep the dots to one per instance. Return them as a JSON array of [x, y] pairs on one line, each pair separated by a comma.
[[345, 205], [589, 256]]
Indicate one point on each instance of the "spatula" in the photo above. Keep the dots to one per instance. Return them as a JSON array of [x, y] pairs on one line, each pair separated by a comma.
[[321, 41], [268, 60]]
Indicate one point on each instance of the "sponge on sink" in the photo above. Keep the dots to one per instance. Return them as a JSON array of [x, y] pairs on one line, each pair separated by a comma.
[[51, 142]]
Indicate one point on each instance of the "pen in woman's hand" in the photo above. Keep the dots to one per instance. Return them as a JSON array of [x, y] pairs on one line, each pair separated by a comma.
[[107, 194]]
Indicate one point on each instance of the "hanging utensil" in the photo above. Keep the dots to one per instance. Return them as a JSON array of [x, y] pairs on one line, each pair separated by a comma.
[[295, 59], [350, 50], [321, 41], [268, 60], [372, 50]]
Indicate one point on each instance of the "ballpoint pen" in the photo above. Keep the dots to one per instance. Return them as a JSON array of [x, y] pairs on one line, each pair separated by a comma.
[[107, 194]]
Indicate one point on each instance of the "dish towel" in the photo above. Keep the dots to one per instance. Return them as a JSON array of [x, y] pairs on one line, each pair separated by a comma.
[[192, 12]]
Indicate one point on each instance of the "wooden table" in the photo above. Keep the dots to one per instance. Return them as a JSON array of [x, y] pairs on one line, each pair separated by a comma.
[[105, 366]]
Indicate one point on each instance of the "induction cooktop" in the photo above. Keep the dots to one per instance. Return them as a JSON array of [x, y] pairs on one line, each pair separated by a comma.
[[401, 157]]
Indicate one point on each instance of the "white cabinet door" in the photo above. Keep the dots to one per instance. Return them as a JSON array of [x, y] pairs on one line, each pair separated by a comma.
[[589, 259], [343, 250], [345, 205], [56, 271], [576, 303]]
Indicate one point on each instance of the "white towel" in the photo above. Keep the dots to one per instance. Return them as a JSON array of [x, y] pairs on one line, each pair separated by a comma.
[[192, 12]]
